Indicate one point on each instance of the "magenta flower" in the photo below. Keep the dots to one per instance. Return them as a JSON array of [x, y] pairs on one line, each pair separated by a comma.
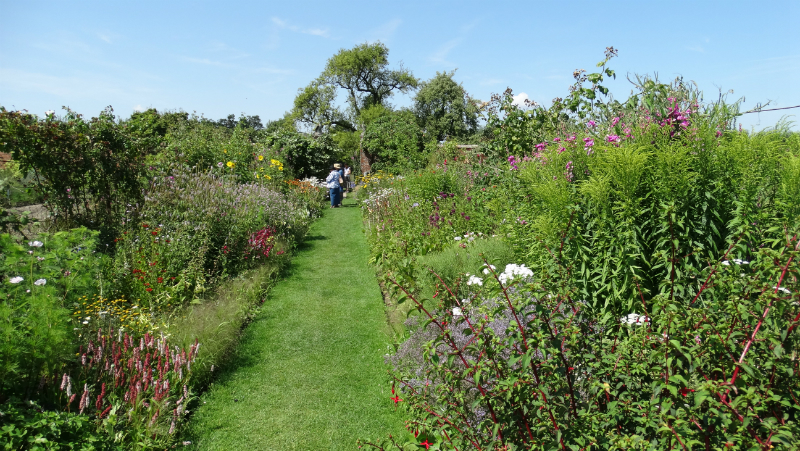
[[614, 121], [613, 138], [588, 142], [561, 149], [591, 124], [556, 139], [541, 146]]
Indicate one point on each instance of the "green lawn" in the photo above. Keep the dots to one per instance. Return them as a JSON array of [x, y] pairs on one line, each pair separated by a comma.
[[309, 373]]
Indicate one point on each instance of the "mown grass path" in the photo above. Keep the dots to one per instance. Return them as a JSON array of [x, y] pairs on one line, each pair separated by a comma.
[[309, 373]]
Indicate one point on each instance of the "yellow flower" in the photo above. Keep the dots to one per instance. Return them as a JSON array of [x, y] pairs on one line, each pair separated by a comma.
[[231, 164], [256, 175], [261, 158], [268, 177], [280, 168]]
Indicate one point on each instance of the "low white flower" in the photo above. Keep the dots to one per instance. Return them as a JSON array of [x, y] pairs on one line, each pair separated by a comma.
[[726, 262], [474, 280], [17, 279], [458, 238], [486, 270], [49, 113], [634, 319], [35, 243], [741, 262], [456, 311], [40, 282], [785, 290]]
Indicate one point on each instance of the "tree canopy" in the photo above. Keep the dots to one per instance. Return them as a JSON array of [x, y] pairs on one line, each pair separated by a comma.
[[363, 73], [443, 108]]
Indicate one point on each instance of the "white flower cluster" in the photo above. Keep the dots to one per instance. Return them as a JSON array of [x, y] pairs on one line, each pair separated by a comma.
[[378, 196], [319, 183], [782, 289], [513, 271], [17, 279], [737, 261], [634, 319], [470, 236], [35, 244]]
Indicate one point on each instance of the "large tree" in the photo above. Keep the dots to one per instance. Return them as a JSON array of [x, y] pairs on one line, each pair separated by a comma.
[[363, 74], [443, 108]]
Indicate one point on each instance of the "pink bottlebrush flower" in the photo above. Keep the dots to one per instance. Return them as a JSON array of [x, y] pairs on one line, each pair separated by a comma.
[[588, 142], [64, 379], [84, 398], [561, 149]]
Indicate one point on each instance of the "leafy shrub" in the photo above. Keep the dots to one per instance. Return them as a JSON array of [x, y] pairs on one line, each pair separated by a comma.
[[524, 363], [197, 226], [395, 143], [305, 155], [86, 171], [42, 280], [27, 426], [457, 259]]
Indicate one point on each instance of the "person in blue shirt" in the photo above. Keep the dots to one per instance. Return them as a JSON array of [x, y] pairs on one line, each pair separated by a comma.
[[340, 169], [334, 186]]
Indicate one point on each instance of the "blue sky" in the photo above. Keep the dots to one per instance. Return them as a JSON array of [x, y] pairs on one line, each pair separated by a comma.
[[222, 57]]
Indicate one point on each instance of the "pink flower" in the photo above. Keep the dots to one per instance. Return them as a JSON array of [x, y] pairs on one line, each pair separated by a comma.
[[588, 142], [591, 124], [541, 146], [614, 121], [613, 138]]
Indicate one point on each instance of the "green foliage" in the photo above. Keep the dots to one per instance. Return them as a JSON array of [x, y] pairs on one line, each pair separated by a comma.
[[395, 143], [524, 363], [306, 155], [30, 427], [444, 109], [363, 73], [86, 171], [36, 331]]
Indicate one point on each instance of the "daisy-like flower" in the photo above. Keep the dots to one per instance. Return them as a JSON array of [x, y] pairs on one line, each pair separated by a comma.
[[17, 279], [458, 238], [456, 311], [474, 280], [35, 244], [40, 282], [261, 158], [230, 164], [220, 164]]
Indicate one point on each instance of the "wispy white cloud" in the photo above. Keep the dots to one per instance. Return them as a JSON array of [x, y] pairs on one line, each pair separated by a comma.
[[205, 61], [440, 55], [385, 31], [696, 48], [139, 108], [490, 81], [105, 38], [321, 32], [272, 70]]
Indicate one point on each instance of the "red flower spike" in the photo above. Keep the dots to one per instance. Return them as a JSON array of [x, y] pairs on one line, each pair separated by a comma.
[[396, 399], [426, 444]]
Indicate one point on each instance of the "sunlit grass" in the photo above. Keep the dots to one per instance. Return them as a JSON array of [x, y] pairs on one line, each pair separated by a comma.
[[309, 374]]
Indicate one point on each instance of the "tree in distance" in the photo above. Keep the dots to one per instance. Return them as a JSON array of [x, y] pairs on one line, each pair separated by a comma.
[[363, 73], [444, 109]]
